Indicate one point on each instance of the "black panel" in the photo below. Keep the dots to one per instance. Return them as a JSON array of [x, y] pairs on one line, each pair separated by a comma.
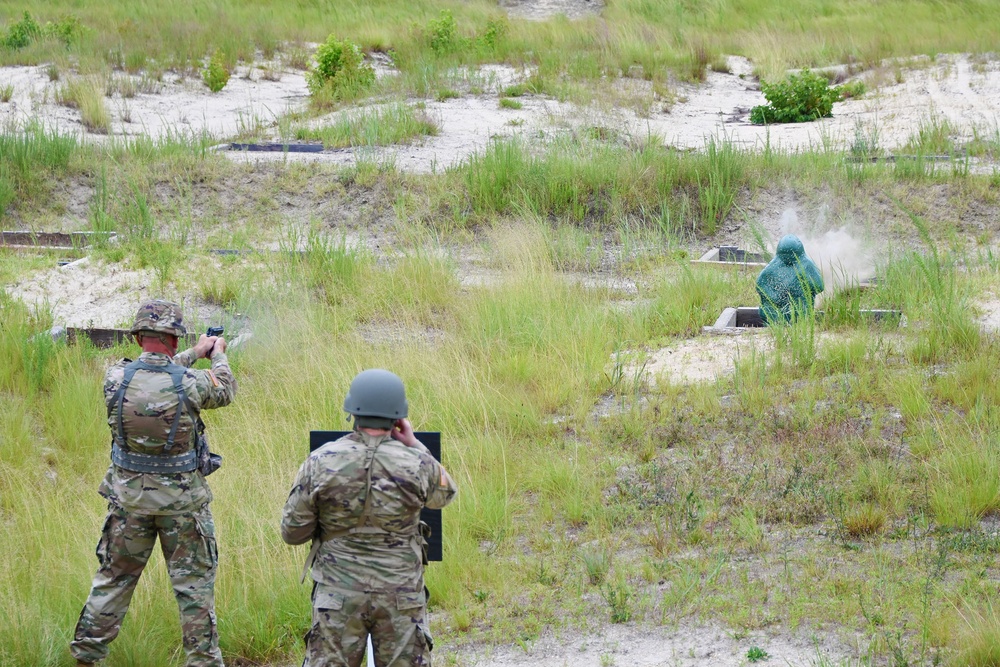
[[431, 440]]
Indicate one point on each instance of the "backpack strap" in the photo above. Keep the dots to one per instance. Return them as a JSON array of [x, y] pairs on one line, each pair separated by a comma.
[[165, 463]]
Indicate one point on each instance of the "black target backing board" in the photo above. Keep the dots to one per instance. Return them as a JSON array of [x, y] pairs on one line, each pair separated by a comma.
[[431, 440]]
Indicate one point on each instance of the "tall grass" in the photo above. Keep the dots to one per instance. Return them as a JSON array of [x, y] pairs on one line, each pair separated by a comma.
[[648, 36], [379, 126], [584, 179]]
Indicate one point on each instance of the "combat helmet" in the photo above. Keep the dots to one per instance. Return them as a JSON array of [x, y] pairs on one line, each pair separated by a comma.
[[376, 399], [159, 316], [790, 249]]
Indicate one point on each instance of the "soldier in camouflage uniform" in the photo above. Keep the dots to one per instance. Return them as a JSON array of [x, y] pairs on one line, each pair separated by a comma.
[[359, 499], [156, 484]]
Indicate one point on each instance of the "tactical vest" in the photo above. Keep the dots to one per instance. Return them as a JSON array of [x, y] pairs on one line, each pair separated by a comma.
[[165, 463], [418, 537]]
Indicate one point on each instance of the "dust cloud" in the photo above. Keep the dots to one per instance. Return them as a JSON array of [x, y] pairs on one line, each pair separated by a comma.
[[843, 258]]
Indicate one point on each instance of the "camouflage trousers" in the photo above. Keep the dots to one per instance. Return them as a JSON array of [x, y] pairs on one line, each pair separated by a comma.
[[188, 545], [342, 621]]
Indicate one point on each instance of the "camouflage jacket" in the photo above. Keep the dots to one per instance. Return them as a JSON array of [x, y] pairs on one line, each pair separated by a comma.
[[151, 405], [328, 500]]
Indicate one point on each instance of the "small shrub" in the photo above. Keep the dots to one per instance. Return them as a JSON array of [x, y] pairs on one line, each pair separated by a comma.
[[619, 597], [494, 35], [517, 90], [216, 75], [442, 33], [28, 30], [6, 92], [22, 33], [340, 70], [756, 654], [800, 98], [507, 103]]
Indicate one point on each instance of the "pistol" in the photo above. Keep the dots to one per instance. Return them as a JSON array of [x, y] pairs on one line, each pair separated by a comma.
[[215, 331]]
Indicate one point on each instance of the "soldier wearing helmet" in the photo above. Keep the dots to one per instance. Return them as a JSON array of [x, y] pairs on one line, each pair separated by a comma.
[[359, 499], [155, 485]]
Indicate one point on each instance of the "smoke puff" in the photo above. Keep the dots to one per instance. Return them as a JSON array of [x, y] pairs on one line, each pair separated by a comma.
[[842, 258]]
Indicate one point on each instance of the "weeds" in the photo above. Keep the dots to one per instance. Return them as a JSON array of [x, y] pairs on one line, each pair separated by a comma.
[[340, 72], [216, 73], [376, 126]]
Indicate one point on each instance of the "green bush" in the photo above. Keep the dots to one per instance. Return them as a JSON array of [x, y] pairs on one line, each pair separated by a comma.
[[22, 33], [443, 33], [800, 98], [216, 75], [340, 69], [28, 30]]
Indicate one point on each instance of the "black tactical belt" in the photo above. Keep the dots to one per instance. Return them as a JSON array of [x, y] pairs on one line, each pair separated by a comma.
[[135, 462]]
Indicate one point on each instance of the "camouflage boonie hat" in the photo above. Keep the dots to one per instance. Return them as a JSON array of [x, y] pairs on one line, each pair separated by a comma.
[[161, 317]]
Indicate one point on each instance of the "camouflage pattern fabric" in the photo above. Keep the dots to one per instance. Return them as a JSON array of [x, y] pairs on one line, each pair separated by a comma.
[[788, 285], [160, 316], [188, 545], [375, 568], [342, 621], [149, 410], [144, 506]]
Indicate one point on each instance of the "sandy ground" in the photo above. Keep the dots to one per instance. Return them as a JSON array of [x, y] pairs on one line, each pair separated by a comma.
[[953, 88], [702, 359], [88, 293], [538, 10], [180, 107], [682, 646]]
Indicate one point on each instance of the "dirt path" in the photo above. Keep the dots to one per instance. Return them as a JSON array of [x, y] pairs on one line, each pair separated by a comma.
[[682, 646]]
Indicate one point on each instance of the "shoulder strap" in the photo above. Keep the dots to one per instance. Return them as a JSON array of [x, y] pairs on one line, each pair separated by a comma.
[[366, 511], [176, 373]]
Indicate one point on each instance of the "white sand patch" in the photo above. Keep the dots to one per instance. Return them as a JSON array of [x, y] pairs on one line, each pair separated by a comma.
[[466, 126], [703, 359], [90, 293], [990, 319], [539, 10], [686, 645], [952, 88], [86, 293], [181, 107]]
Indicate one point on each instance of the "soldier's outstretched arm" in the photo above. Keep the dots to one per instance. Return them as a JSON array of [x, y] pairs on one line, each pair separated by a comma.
[[217, 387], [299, 519]]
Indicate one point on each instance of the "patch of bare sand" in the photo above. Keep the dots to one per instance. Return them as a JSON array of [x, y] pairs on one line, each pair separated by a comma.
[[685, 645], [90, 293], [465, 126], [990, 318], [171, 107], [703, 359], [953, 88], [539, 10]]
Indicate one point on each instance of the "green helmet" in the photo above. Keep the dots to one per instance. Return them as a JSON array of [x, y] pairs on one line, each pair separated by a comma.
[[159, 316], [377, 397]]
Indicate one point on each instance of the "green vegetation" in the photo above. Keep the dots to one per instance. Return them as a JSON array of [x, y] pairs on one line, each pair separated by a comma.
[[340, 73], [839, 476], [800, 98], [649, 38], [216, 74], [379, 126]]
